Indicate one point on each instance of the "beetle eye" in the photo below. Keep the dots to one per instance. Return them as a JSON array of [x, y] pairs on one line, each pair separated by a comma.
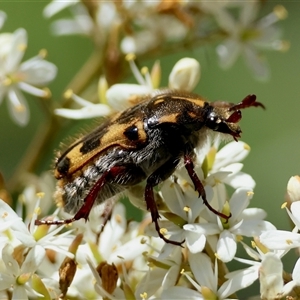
[[212, 121]]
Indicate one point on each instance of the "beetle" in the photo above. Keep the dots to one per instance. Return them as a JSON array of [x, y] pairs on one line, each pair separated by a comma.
[[144, 142]]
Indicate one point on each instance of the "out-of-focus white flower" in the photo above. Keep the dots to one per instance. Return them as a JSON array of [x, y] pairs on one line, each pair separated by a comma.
[[155, 30], [16, 77], [247, 35], [56, 6], [2, 18]]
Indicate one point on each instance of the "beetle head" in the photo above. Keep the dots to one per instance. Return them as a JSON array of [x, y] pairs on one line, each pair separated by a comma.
[[224, 117]]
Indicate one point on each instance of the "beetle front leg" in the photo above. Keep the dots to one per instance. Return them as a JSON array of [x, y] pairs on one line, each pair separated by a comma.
[[189, 165]]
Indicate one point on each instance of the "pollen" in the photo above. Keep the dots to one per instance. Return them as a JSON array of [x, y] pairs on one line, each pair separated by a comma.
[[144, 295], [217, 256], [187, 209], [40, 194], [253, 244], [280, 12], [7, 81], [144, 70], [118, 219], [20, 108], [239, 238], [68, 94], [130, 56], [289, 242], [37, 210], [163, 231], [47, 93], [182, 271], [4, 215], [22, 47], [43, 53], [247, 147], [284, 205], [250, 193]]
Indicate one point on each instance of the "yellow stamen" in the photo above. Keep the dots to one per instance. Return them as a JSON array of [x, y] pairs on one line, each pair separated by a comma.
[[68, 94], [284, 205], [20, 108], [247, 147], [40, 194], [7, 81], [22, 47], [144, 70], [118, 218], [130, 56], [43, 53], [280, 12], [187, 209], [163, 231], [47, 94]]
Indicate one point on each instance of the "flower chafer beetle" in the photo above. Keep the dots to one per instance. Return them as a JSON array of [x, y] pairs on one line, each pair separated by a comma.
[[144, 142]]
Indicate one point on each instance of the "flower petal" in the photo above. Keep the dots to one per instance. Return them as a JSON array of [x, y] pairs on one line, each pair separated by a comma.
[[18, 107], [91, 111], [226, 246], [37, 71]]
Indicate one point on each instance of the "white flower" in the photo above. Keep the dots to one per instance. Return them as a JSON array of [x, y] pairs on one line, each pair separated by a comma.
[[30, 235], [16, 77], [281, 239], [88, 110], [243, 222], [162, 274], [185, 75], [206, 283], [246, 35], [18, 277]]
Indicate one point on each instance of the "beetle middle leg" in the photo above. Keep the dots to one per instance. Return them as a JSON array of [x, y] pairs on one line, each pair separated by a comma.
[[189, 165], [154, 179]]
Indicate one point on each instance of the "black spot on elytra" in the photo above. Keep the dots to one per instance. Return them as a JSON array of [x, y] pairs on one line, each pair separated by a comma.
[[63, 166], [89, 145], [132, 133]]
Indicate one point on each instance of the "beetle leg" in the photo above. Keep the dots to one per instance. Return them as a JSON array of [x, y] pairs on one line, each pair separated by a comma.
[[154, 179], [89, 200], [189, 165]]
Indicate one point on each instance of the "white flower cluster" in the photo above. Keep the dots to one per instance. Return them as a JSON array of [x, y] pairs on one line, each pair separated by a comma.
[[109, 257], [121, 260], [149, 25]]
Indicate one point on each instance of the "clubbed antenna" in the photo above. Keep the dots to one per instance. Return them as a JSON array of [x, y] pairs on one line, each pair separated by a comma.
[[248, 101]]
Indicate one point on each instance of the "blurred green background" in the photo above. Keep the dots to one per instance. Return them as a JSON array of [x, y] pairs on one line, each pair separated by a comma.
[[273, 134]]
